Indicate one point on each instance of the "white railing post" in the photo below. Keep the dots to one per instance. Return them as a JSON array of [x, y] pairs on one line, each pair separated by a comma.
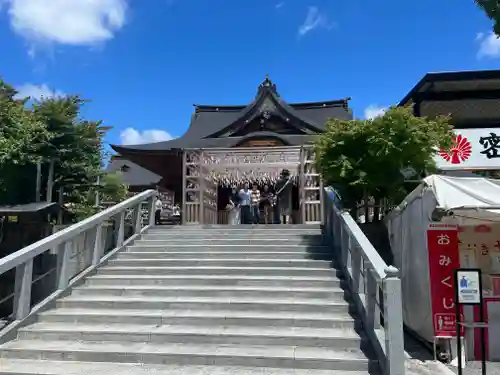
[[151, 210], [356, 266], [393, 322], [371, 289], [121, 229], [138, 219], [63, 265], [22, 287], [98, 245]]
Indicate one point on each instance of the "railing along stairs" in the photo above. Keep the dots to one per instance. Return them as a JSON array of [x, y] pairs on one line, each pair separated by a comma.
[[78, 251], [374, 285]]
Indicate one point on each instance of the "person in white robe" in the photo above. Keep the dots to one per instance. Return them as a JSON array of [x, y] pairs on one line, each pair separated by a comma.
[[234, 209]]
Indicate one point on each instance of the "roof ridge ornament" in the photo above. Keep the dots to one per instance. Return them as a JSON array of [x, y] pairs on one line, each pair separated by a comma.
[[267, 84]]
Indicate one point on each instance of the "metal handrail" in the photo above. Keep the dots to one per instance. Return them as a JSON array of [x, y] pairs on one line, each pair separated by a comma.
[[42, 276], [369, 253], [366, 274], [29, 252], [65, 241]]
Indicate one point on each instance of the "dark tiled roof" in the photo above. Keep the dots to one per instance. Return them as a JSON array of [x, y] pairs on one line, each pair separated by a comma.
[[29, 208], [134, 175], [292, 140], [455, 81], [208, 120]]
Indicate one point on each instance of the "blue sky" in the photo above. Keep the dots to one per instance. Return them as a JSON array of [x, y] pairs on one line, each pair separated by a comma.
[[143, 63]]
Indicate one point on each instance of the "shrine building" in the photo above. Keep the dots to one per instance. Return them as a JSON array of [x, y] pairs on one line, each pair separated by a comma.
[[226, 145]]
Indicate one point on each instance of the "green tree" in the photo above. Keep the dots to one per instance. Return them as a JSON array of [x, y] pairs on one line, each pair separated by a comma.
[[53, 131], [76, 145], [22, 137], [77, 149], [492, 10], [111, 189], [365, 157]]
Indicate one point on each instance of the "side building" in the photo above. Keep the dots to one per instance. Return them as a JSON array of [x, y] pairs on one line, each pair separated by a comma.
[[472, 99]]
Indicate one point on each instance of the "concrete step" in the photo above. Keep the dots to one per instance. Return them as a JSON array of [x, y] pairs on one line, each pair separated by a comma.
[[207, 291], [235, 263], [201, 317], [198, 303], [231, 228], [204, 255], [243, 271], [246, 300], [237, 230], [185, 246], [155, 239], [233, 234], [204, 354], [38, 367], [221, 335], [330, 281]]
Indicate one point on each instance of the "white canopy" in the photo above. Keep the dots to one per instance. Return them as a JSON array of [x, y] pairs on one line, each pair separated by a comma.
[[470, 198], [466, 192]]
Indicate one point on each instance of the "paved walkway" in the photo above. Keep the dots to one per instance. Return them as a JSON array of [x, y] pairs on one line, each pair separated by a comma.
[[474, 368]]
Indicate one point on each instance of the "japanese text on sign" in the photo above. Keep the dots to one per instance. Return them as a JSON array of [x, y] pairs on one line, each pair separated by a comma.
[[442, 246]]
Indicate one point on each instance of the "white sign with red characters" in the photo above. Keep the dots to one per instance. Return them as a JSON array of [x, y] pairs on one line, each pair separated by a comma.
[[472, 149]]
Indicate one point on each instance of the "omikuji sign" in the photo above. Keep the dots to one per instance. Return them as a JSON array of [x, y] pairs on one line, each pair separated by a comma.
[[472, 149], [442, 247]]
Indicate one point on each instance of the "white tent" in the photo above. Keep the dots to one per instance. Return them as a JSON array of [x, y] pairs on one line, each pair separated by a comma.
[[457, 199]]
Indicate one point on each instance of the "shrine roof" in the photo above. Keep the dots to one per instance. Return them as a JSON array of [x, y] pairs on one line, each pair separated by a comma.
[[449, 82], [208, 122], [183, 143], [132, 174]]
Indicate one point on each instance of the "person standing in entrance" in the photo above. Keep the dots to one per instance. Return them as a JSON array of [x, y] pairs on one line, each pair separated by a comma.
[[234, 208], [267, 202], [254, 204], [158, 208], [245, 199], [284, 197]]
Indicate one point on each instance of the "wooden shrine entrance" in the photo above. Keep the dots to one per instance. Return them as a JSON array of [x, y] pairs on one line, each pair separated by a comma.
[[205, 170]]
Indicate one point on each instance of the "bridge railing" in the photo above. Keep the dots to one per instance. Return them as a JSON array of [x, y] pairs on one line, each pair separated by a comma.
[[374, 285], [73, 251]]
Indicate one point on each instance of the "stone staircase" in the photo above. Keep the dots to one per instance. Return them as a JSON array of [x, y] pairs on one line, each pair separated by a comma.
[[192, 301]]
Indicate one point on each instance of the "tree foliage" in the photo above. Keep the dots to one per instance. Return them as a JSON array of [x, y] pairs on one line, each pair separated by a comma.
[[76, 145], [21, 137], [51, 131], [366, 157], [492, 10], [110, 190]]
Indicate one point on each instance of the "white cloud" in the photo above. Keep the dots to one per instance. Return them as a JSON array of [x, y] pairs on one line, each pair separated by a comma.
[[314, 19], [37, 92], [131, 136], [373, 111], [280, 5], [489, 45], [69, 22]]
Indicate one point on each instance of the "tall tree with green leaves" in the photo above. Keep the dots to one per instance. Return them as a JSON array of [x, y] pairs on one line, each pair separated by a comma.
[[76, 147], [76, 144], [365, 157], [492, 10], [48, 131], [22, 137]]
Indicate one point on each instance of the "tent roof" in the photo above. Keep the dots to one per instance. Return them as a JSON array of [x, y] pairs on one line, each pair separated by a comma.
[[464, 192]]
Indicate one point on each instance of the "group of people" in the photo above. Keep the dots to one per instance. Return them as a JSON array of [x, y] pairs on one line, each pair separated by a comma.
[[175, 210], [245, 204]]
